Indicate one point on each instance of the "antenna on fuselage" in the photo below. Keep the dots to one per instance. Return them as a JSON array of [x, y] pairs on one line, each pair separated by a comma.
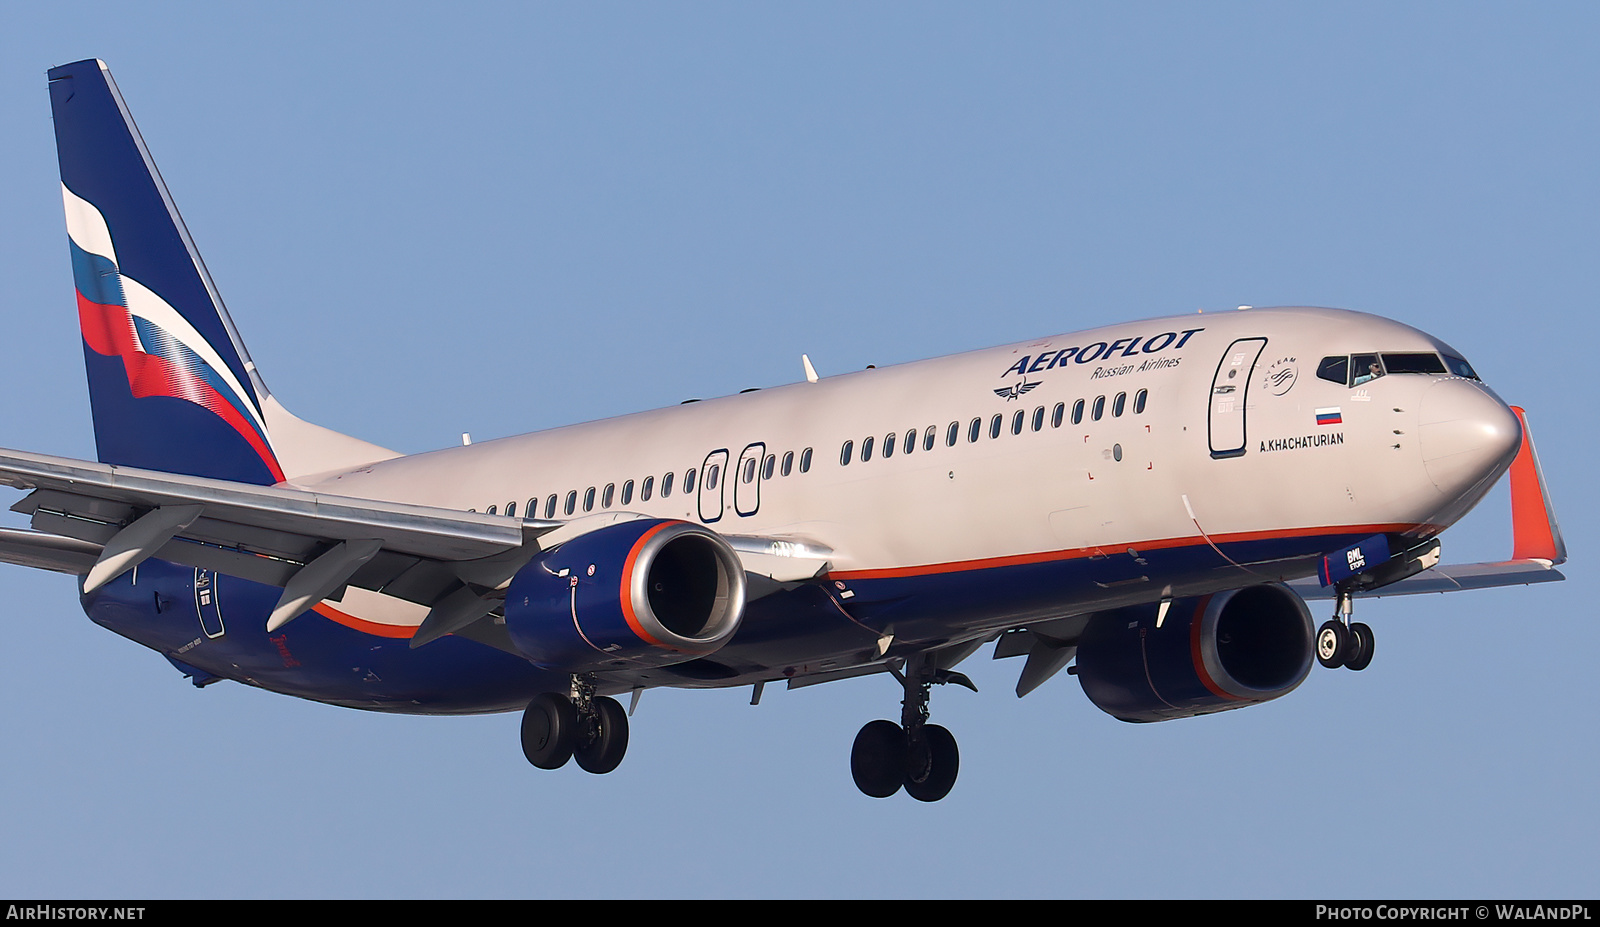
[[811, 372]]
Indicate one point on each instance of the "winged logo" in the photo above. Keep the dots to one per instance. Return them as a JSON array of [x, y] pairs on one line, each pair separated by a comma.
[[1009, 393]]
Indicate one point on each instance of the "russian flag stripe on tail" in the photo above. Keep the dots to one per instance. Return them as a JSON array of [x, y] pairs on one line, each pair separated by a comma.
[[169, 382]]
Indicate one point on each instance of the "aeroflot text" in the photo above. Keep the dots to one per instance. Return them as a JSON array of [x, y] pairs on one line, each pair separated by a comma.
[[1100, 350]]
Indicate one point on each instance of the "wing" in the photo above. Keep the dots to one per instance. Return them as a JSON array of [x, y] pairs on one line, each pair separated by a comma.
[[99, 520]]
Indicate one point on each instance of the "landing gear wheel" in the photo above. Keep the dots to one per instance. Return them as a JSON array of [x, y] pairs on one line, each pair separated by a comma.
[[1358, 653], [1333, 642], [549, 724], [931, 771], [603, 750], [878, 758]]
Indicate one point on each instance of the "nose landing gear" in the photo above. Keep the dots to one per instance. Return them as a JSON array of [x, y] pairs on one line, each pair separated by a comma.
[[1341, 642]]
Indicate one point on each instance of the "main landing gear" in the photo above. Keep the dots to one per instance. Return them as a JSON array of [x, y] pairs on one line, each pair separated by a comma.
[[920, 756], [590, 729], [1341, 642]]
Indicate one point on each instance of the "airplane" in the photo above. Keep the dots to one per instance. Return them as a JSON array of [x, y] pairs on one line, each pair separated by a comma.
[[1151, 502]]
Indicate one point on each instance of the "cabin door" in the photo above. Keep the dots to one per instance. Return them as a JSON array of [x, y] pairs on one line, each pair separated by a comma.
[[713, 484], [747, 480], [1230, 397]]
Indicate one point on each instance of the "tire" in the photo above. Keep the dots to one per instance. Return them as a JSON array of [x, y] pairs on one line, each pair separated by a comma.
[[601, 753], [1358, 655], [548, 725], [1333, 642], [878, 759], [944, 762]]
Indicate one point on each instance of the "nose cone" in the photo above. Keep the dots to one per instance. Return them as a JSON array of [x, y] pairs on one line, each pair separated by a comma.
[[1467, 435]]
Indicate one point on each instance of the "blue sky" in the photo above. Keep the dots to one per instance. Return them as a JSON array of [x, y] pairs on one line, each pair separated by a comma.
[[494, 218]]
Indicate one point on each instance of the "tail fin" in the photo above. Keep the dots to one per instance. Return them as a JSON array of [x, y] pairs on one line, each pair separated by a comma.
[[171, 386]]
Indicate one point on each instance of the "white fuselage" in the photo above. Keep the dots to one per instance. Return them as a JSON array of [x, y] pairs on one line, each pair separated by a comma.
[[1226, 447]]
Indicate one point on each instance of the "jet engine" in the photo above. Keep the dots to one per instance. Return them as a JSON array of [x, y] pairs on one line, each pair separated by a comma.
[[637, 594], [1213, 653]]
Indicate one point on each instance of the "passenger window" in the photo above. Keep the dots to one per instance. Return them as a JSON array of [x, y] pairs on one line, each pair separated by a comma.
[[606, 497], [1038, 418], [572, 501], [866, 449], [1077, 412], [1017, 418], [489, 510], [911, 441], [688, 480], [1139, 400], [928, 437], [1334, 369], [951, 434], [712, 472], [888, 444], [750, 470], [846, 453], [647, 489], [1057, 414], [666, 485], [805, 460], [511, 510], [588, 499], [974, 429], [766, 468], [627, 493], [1099, 408], [788, 462], [1364, 367], [1118, 404], [994, 425]]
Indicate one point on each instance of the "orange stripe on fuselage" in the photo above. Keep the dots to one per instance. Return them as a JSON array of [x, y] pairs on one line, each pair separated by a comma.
[[1048, 556], [327, 611]]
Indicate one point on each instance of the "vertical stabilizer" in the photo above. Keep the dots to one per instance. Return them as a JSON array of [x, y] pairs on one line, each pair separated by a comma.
[[171, 386]]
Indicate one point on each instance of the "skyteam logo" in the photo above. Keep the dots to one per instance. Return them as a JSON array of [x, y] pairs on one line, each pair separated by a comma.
[[162, 354], [1280, 376]]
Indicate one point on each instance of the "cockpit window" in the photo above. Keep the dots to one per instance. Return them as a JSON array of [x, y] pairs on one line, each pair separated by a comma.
[[1460, 367], [1364, 367], [1413, 363], [1336, 369]]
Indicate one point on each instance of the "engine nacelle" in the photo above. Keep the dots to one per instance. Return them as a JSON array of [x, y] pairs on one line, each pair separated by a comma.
[[641, 593], [1213, 653]]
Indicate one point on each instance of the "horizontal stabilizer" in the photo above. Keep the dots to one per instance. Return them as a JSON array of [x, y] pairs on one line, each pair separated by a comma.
[[41, 551], [1448, 578]]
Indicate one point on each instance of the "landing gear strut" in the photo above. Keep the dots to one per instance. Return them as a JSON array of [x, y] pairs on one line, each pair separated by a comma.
[[590, 729], [920, 756], [1341, 642]]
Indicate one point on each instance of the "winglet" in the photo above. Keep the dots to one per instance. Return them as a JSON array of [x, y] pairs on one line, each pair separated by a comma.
[[1535, 534]]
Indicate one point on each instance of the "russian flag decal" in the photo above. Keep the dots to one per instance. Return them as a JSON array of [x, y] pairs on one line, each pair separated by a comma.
[[1329, 416]]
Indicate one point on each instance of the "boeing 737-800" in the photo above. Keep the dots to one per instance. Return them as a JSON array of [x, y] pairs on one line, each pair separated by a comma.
[[1153, 500]]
